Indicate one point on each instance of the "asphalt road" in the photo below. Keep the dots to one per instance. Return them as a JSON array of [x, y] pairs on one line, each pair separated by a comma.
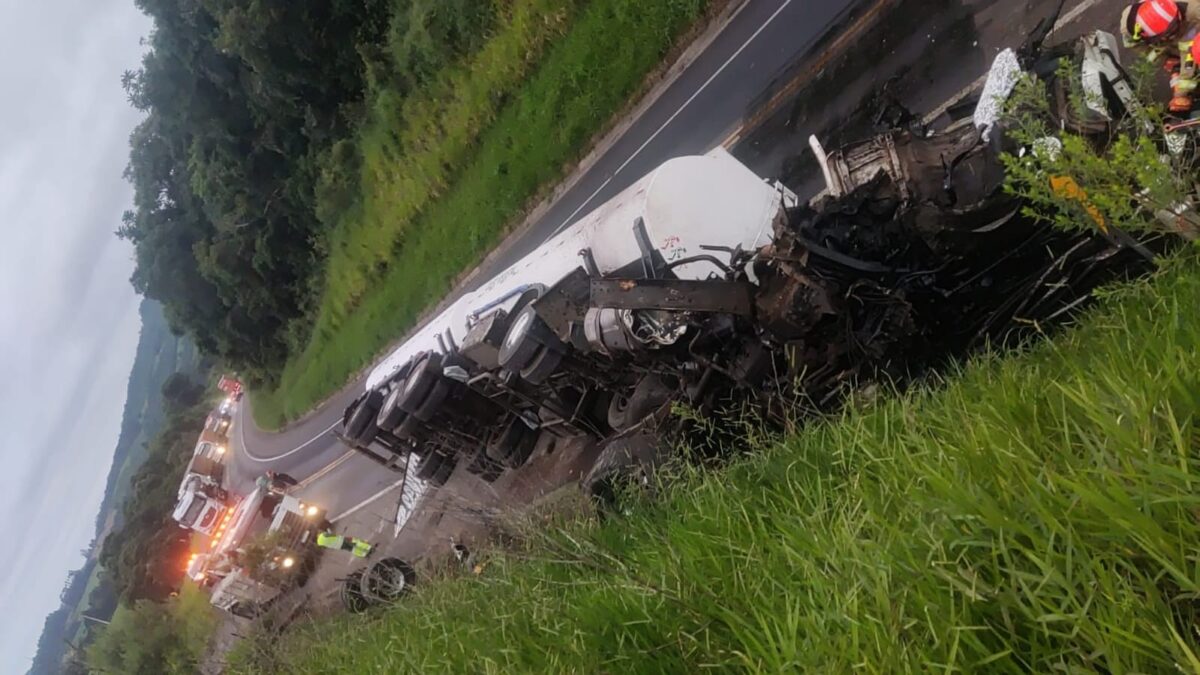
[[781, 68]]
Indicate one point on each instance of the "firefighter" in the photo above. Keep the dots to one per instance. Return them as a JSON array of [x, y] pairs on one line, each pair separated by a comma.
[[1167, 31], [359, 548]]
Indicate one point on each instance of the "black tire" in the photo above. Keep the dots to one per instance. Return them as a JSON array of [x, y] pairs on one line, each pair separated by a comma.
[[650, 394], [245, 610], [410, 429], [390, 414], [352, 598], [402, 578], [428, 467], [426, 372], [443, 473], [360, 423], [514, 444], [526, 335], [542, 366], [433, 401], [626, 459]]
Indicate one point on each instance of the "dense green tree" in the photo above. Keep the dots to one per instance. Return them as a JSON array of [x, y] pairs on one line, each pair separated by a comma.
[[180, 391], [244, 158], [145, 557], [141, 640], [242, 100]]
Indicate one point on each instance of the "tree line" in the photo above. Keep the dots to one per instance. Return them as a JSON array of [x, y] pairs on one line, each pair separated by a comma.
[[145, 557], [249, 107]]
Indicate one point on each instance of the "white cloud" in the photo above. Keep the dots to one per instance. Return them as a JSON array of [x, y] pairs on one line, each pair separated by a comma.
[[68, 319]]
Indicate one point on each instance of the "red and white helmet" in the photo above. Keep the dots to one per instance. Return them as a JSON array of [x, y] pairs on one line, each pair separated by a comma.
[[1152, 20]]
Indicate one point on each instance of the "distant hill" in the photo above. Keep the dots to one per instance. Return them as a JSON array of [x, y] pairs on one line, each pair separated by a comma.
[[159, 354]]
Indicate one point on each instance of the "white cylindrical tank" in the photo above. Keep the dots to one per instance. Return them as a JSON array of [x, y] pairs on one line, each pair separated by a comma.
[[688, 202]]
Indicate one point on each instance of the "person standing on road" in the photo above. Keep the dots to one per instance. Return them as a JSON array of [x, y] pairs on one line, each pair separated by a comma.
[[1166, 31], [359, 548]]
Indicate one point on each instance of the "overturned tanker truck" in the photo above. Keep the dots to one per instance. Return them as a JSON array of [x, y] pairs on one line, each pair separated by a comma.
[[704, 284]]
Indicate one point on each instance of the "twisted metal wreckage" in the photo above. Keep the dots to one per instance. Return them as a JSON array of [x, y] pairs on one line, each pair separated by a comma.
[[705, 285]]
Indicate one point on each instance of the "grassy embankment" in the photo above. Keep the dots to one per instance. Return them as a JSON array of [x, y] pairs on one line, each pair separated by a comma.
[[447, 170], [1035, 513]]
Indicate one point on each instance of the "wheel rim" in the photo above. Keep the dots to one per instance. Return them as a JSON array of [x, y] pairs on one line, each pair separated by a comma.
[[410, 385], [390, 402], [519, 329], [620, 404]]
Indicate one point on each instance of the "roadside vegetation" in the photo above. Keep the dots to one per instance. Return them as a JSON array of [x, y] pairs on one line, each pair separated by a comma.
[[1032, 513], [168, 637]]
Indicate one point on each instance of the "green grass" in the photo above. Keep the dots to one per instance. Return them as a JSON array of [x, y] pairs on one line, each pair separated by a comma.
[[196, 616], [148, 637], [1035, 513], [411, 147], [442, 182]]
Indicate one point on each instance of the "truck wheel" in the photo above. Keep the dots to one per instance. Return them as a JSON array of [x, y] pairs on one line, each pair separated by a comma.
[[429, 465], [433, 402], [352, 597], [443, 473], [527, 334], [633, 458], [648, 395], [390, 414], [245, 610], [514, 444], [425, 374], [542, 366], [389, 579], [360, 423], [410, 429]]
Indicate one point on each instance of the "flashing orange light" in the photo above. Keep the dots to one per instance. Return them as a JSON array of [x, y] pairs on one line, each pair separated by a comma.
[[216, 538]]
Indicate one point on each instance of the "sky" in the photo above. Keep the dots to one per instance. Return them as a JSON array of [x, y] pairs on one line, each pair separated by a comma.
[[68, 316]]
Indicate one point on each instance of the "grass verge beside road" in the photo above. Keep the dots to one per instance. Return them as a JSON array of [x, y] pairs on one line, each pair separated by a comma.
[[435, 202], [1033, 513]]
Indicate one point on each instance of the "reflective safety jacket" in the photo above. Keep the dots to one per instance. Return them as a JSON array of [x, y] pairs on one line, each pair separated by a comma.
[[362, 549], [327, 540]]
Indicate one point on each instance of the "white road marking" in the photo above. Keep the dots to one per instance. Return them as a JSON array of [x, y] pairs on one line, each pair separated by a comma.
[[675, 114], [264, 460], [366, 502]]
